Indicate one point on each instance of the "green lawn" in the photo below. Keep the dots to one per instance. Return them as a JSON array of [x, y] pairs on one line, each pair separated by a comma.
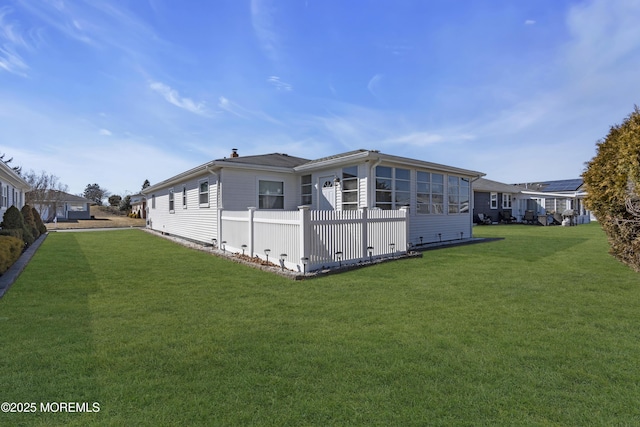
[[541, 328]]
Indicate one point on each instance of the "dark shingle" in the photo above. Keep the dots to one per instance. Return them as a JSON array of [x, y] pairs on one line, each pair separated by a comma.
[[273, 159]]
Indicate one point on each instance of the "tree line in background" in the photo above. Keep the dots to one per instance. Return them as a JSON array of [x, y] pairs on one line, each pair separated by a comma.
[[612, 179]]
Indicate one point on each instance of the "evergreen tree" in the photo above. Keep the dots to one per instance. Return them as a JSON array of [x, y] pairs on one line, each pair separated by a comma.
[[612, 179]]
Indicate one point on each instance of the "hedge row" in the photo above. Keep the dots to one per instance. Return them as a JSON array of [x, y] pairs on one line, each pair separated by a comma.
[[10, 251], [21, 226]]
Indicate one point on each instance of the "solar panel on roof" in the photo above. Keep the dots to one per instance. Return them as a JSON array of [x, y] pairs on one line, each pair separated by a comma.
[[563, 185]]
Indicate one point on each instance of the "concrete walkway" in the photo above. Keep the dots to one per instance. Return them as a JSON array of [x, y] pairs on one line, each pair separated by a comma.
[[11, 275]]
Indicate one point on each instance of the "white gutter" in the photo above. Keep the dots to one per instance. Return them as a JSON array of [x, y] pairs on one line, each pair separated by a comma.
[[557, 195]]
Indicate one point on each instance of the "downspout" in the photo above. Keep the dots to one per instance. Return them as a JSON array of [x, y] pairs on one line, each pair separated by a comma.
[[371, 187], [218, 205]]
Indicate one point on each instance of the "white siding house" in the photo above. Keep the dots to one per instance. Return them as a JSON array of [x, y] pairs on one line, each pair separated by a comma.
[[342, 208], [12, 189]]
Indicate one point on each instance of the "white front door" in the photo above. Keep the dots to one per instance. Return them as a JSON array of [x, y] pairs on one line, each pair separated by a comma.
[[327, 193]]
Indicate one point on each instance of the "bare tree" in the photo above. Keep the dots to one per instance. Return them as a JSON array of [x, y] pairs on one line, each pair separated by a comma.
[[46, 192]]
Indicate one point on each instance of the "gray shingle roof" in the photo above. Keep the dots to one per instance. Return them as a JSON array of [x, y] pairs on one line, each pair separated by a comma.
[[273, 159], [488, 185]]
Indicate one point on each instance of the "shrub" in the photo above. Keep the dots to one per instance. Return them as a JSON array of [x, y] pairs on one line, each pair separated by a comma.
[[39, 223], [30, 221], [612, 179], [13, 232], [13, 220], [10, 250]]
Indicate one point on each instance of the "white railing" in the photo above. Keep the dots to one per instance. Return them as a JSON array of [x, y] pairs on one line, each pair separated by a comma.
[[321, 238]]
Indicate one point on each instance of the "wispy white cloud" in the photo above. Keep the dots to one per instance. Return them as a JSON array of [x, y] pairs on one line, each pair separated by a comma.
[[425, 138], [172, 96], [237, 110], [265, 28], [603, 33], [230, 107], [374, 84], [10, 41], [279, 84], [105, 132], [529, 22]]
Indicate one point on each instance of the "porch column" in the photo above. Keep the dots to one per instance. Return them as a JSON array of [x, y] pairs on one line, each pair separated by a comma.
[[252, 210], [305, 251]]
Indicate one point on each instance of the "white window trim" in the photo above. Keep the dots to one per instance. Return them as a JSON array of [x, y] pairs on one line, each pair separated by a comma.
[[270, 179], [184, 197], [507, 197], [493, 200], [172, 200], [200, 193]]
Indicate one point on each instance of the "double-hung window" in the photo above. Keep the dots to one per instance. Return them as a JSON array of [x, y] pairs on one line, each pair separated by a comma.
[[270, 194], [203, 194], [350, 188], [306, 190], [184, 197], [506, 201], [171, 200], [493, 201]]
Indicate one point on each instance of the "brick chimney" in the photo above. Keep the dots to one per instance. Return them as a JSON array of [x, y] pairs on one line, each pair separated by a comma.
[[234, 152]]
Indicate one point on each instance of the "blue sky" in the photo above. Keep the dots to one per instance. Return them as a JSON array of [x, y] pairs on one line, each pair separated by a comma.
[[116, 92]]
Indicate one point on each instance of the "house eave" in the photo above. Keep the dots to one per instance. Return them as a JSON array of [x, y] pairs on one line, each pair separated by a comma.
[[14, 179], [367, 155], [191, 173]]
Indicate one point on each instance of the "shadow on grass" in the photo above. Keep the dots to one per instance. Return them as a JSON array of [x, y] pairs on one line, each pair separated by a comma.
[[52, 299]]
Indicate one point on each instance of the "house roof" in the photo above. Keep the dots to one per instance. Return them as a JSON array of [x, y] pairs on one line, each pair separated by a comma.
[[487, 185], [562, 185], [278, 160], [555, 186], [285, 163], [61, 196]]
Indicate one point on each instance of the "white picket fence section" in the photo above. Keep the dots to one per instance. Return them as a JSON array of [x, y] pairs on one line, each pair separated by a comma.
[[321, 238]]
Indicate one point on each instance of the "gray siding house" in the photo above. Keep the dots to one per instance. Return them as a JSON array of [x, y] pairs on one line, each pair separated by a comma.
[[341, 208]]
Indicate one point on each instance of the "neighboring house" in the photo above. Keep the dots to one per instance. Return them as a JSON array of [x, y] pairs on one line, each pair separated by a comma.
[[12, 189], [497, 201], [343, 208], [556, 197], [544, 201], [138, 205], [61, 206]]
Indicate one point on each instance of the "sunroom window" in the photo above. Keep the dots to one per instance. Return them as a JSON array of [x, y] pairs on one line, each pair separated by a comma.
[[458, 195], [393, 187]]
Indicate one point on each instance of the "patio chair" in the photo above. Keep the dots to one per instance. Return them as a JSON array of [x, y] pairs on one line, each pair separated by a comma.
[[507, 217], [530, 217], [484, 219]]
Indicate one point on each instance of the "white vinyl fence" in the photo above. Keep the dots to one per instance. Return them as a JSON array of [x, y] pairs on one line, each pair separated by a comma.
[[319, 238]]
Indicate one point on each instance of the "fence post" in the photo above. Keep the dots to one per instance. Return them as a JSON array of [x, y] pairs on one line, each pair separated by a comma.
[[304, 233], [364, 231], [407, 236], [219, 228], [252, 210]]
